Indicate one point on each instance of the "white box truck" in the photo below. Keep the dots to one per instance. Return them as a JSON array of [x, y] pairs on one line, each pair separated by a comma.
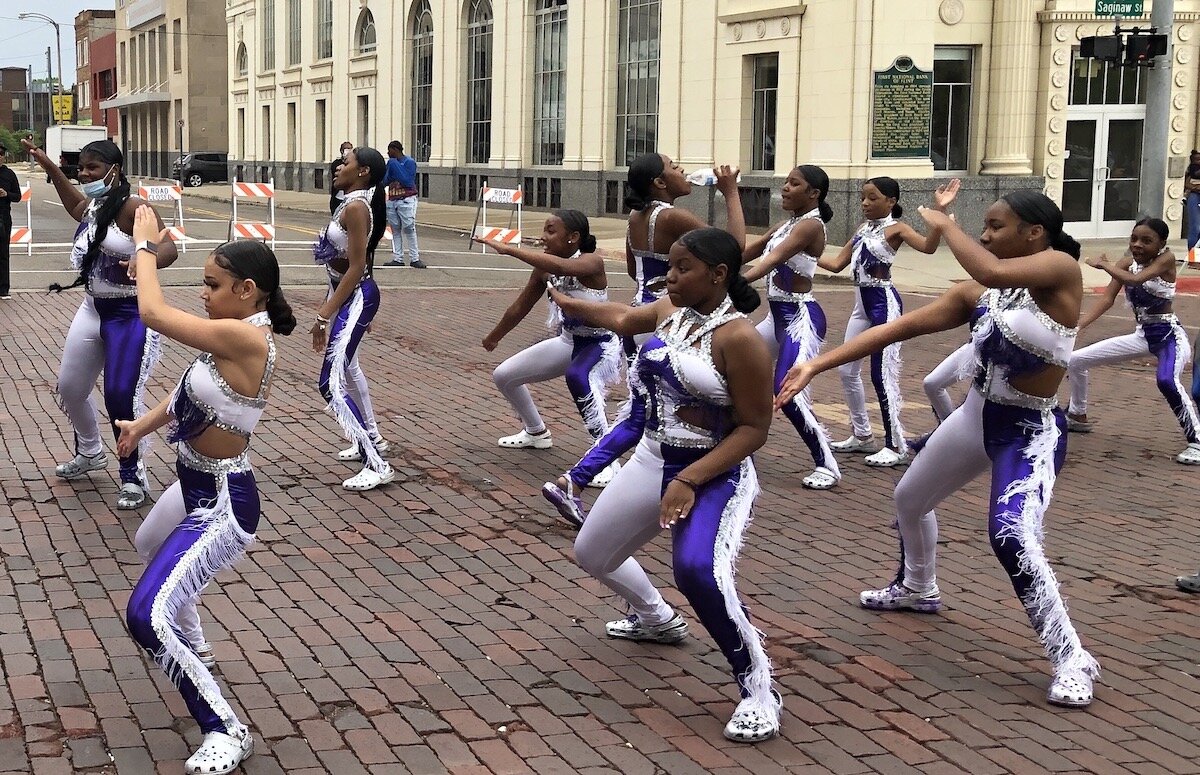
[[63, 143]]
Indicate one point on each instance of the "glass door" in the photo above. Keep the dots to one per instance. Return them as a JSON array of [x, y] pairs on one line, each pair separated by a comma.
[[1079, 172], [1102, 172]]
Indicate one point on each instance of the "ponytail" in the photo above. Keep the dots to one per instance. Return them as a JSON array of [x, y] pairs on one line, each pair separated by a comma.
[[283, 322], [577, 222], [378, 223], [818, 179], [640, 177], [253, 260], [715, 247], [890, 189], [1036, 209], [743, 295]]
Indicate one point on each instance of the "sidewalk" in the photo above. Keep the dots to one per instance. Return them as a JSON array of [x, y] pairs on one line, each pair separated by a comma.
[[913, 271]]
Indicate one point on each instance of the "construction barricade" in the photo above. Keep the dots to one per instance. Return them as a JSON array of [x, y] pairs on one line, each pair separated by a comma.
[[23, 235], [513, 197], [259, 230], [168, 193]]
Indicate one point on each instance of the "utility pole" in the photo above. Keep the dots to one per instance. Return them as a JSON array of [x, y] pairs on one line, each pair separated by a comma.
[[29, 100], [50, 87], [1158, 115]]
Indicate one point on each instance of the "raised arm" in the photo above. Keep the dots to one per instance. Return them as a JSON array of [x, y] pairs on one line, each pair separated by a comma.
[[516, 311], [584, 265], [950, 310], [619, 318], [167, 251], [735, 217], [72, 199], [943, 197]]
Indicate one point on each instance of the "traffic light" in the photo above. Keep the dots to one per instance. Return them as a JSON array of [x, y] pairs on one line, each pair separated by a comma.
[[1141, 49], [1104, 47]]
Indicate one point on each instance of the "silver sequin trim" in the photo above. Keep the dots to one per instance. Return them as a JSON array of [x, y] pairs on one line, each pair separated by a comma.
[[213, 465]]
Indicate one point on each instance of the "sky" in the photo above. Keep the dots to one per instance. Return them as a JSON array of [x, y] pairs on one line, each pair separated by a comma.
[[23, 43]]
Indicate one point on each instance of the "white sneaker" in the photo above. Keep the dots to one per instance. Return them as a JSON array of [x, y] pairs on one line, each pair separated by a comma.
[[673, 630], [1071, 688], [605, 476], [80, 465], [526, 439], [368, 479], [220, 754], [886, 458], [1190, 456], [352, 455], [854, 444], [205, 652]]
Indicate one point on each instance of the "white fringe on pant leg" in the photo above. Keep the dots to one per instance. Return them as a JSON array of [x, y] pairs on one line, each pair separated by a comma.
[[222, 543], [1044, 603], [151, 352], [731, 532], [802, 331], [339, 407], [891, 378], [605, 373], [1186, 414]]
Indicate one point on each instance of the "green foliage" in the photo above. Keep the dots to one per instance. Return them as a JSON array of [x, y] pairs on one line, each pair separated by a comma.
[[10, 139]]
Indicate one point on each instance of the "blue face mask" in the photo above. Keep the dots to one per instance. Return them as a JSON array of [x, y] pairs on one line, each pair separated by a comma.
[[96, 188]]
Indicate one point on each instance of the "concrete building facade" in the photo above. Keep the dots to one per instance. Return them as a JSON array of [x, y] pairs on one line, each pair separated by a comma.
[[559, 96], [172, 82], [95, 33]]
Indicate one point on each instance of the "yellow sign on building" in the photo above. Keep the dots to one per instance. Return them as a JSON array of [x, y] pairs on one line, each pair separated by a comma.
[[63, 106]]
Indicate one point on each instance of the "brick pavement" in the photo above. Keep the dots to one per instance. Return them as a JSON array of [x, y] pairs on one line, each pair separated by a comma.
[[440, 624]]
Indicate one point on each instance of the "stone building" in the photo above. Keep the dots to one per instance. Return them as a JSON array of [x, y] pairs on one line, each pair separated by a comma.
[[172, 81], [559, 96], [95, 66]]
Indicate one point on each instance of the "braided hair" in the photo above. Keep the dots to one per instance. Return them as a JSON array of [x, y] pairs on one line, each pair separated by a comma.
[[110, 206]]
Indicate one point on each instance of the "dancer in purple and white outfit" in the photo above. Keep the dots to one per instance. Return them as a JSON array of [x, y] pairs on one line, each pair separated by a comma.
[[106, 335], [1148, 279], [1026, 274], [872, 251], [794, 329], [588, 357], [203, 523], [346, 248], [703, 409]]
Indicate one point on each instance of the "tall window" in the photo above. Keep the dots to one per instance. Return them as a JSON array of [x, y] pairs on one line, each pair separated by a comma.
[[479, 82], [266, 131], [364, 120], [268, 34], [243, 61], [322, 142], [950, 135], [762, 123], [177, 45], [1096, 82], [364, 33], [292, 140], [241, 132], [324, 29], [637, 78], [122, 59], [294, 37], [549, 81], [422, 81]]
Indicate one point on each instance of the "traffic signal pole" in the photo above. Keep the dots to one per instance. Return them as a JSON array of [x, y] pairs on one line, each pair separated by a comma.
[[1158, 116]]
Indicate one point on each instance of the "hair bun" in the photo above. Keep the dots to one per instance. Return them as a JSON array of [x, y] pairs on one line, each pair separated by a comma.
[[744, 296]]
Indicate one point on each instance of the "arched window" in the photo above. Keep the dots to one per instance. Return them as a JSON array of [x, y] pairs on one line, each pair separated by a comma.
[[243, 61], [479, 82], [364, 32], [422, 80], [324, 29], [549, 80]]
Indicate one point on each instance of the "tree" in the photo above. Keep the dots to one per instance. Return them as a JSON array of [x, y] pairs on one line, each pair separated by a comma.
[[10, 139]]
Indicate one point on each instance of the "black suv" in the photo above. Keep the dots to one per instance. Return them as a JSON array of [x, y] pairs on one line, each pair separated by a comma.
[[202, 167]]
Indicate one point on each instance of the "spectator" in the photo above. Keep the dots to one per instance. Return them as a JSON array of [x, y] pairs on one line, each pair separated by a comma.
[[401, 180], [10, 191], [1191, 201], [335, 196]]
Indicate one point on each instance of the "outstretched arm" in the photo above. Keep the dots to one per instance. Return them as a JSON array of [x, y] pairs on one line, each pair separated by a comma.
[[840, 261], [586, 264], [72, 199], [943, 197], [619, 318], [1156, 268]]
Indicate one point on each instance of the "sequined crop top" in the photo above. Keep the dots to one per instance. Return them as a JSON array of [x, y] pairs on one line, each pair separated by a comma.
[[675, 365], [565, 324], [1013, 338], [649, 267], [872, 251], [108, 279], [801, 264], [1150, 298], [203, 398], [333, 241]]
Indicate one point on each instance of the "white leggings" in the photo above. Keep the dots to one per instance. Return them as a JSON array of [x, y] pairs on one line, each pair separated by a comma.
[[82, 362], [588, 363], [356, 386], [166, 515], [955, 368], [623, 519]]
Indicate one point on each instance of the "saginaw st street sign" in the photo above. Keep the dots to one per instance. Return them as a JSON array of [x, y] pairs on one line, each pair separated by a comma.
[[1120, 7]]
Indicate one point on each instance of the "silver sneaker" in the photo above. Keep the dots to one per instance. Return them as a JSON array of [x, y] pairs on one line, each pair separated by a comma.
[[80, 465], [673, 630], [132, 496], [897, 597]]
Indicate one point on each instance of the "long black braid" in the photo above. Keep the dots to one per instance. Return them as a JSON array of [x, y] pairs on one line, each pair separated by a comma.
[[108, 152]]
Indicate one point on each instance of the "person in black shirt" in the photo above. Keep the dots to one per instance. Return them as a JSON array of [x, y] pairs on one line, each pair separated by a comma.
[[10, 191], [335, 196]]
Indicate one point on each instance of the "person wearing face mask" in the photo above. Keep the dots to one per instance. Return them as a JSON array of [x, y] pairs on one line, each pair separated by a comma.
[[107, 334], [588, 357], [336, 195], [1025, 275]]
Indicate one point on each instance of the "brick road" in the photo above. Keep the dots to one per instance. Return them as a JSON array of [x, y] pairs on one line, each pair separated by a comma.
[[440, 624]]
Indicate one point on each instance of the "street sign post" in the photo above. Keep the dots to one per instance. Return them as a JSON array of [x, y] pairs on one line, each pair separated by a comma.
[[1120, 7]]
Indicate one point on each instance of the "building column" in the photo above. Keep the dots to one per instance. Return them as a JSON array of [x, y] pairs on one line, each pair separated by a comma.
[[1012, 98]]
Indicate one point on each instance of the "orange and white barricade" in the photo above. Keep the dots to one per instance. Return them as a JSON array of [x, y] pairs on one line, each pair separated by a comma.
[[23, 235], [513, 197], [168, 193], [259, 230]]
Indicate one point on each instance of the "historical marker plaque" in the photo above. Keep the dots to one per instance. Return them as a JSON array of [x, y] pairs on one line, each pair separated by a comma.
[[901, 110]]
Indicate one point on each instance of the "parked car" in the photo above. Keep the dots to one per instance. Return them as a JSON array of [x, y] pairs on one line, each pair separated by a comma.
[[202, 167]]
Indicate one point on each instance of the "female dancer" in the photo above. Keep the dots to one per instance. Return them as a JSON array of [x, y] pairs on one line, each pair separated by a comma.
[[106, 334], [588, 357], [794, 329], [1148, 278], [655, 182], [1026, 274], [204, 522], [872, 250], [346, 248], [708, 374]]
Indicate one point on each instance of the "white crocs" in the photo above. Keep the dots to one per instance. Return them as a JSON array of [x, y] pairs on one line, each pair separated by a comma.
[[1071, 688], [220, 754], [1189, 456], [821, 479], [132, 496], [205, 652], [886, 458], [368, 479], [524, 439], [854, 444], [605, 476], [752, 723], [80, 465], [352, 455]]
